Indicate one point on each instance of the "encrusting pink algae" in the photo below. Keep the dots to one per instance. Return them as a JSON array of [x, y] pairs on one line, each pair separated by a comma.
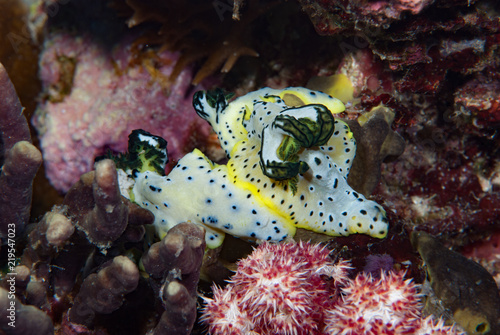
[[93, 99]]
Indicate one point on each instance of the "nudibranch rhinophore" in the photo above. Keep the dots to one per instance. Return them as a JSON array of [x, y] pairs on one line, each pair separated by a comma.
[[289, 159]]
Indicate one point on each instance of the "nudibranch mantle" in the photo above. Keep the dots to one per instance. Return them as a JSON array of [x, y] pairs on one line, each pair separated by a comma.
[[288, 165]]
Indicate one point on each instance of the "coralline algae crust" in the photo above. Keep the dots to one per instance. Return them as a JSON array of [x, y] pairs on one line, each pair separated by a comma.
[[107, 97]]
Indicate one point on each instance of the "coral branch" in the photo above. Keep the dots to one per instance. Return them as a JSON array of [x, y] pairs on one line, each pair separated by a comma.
[[97, 205], [24, 320], [16, 181], [13, 127], [56, 252], [44, 243], [103, 292], [20, 159], [180, 310], [52, 232], [108, 219], [177, 260]]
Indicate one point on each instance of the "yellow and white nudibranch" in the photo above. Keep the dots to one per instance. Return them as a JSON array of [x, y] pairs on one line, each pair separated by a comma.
[[289, 159]]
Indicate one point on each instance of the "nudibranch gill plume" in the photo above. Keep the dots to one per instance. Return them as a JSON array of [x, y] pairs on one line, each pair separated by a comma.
[[289, 159]]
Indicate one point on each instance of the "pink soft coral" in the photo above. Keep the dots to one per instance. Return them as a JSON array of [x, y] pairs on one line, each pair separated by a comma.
[[389, 305], [294, 288], [278, 289]]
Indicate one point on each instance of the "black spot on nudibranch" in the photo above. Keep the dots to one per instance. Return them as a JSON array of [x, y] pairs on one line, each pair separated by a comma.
[[154, 189]]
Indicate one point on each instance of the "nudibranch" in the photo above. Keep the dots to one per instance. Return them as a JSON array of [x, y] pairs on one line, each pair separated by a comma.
[[289, 159]]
